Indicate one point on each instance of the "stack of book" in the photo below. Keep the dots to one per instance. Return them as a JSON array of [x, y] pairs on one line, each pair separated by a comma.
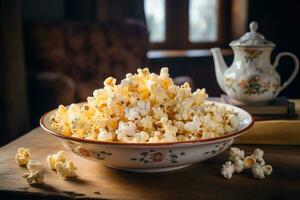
[[277, 123], [279, 108]]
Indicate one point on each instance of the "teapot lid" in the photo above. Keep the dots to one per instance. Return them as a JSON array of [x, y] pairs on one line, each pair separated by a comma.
[[252, 39]]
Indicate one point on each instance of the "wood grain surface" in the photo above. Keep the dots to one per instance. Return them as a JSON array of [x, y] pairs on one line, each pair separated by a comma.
[[199, 181]]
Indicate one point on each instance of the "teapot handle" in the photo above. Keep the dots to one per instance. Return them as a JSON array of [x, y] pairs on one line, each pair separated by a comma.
[[295, 72]]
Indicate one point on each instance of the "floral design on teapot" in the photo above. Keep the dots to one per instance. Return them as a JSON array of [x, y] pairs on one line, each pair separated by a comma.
[[253, 85], [251, 54], [229, 83]]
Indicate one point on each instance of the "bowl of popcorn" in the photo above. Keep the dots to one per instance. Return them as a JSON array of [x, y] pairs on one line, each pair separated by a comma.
[[147, 124]]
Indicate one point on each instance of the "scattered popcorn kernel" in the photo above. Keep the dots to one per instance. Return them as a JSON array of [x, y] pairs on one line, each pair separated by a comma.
[[258, 171], [65, 170], [54, 158], [249, 161], [34, 177], [261, 161], [258, 153], [236, 153], [36, 172], [22, 157], [34, 166], [267, 169], [132, 111], [227, 169], [238, 164]]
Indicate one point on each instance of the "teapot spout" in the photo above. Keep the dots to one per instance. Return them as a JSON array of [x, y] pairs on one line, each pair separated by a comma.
[[220, 66]]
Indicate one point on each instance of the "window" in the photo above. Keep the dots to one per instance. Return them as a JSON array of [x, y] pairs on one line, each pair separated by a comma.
[[156, 18], [185, 24], [202, 20]]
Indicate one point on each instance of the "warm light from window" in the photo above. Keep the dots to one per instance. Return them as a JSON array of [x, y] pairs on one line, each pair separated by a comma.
[[155, 19], [203, 20]]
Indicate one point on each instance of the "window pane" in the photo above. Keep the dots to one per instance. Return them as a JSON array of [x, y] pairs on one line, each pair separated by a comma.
[[155, 18], [202, 20]]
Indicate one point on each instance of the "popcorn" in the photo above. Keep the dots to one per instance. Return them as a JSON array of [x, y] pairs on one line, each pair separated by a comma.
[[65, 170], [126, 131], [227, 169], [146, 123], [194, 125], [141, 137], [22, 157], [258, 155], [258, 171], [34, 177], [132, 114], [170, 130], [255, 162], [34, 166], [145, 107], [249, 161], [238, 164], [55, 158], [267, 169], [36, 172], [105, 135], [233, 120], [236, 153]]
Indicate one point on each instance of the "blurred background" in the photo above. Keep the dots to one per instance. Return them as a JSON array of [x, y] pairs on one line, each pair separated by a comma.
[[58, 51]]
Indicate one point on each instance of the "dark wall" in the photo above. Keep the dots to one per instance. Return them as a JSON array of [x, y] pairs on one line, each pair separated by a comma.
[[45, 10], [201, 69]]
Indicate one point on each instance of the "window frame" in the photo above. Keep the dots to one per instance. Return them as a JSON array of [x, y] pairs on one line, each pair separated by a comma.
[[177, 22]]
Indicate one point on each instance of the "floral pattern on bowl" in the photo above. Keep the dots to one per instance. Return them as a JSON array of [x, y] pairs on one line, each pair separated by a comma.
[[152, 155]]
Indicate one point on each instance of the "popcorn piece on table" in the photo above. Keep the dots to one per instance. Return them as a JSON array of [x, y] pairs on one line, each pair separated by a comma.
[[34, 166], [34, 177], [258, 155], [54, 158], [236, 152], [65, 170], [227, 169], [267, 169], [238, 164], [249, 161], [23, 156], [36, 172], [255, 162], [258, 171]]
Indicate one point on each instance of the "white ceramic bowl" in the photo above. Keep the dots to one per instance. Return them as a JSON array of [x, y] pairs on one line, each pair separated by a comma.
[[151, 157]]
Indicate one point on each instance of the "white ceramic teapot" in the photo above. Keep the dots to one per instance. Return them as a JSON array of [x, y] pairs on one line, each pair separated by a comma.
[[251, 79]]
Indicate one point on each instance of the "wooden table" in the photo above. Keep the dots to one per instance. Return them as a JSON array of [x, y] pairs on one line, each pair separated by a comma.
[[199, 181]]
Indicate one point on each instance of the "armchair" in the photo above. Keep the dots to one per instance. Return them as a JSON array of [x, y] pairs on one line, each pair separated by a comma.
[[67, 61]]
